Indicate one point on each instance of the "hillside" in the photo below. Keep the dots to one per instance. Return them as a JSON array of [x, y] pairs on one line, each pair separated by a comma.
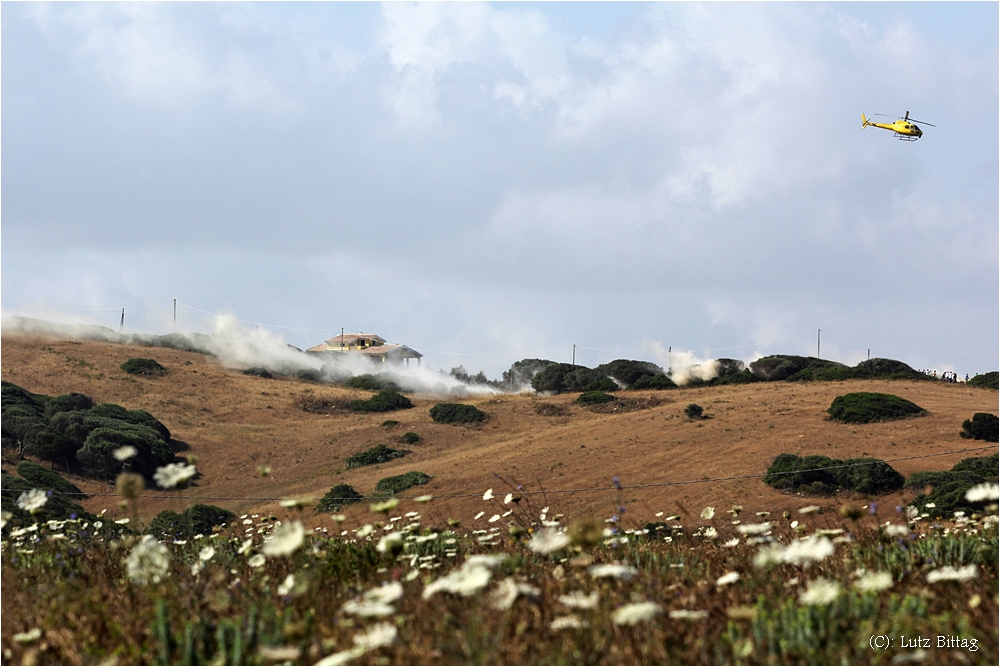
[[234, 423]]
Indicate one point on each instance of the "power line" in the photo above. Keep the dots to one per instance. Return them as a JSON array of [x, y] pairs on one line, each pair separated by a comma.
[[620, 487]]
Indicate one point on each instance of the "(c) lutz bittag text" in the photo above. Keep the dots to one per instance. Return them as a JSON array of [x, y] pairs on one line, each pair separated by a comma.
[[920, 642]]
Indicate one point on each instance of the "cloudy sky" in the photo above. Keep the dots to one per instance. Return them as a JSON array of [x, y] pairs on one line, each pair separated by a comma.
[[488, 182]]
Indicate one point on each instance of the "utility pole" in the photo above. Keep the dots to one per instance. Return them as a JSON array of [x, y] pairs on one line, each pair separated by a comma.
[[817, 344], [121, 325], [341, 339], [670, 359], [574, 354], [175, 315], [869, 354]]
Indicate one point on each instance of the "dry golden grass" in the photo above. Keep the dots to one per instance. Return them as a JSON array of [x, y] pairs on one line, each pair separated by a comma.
[[235, 423]]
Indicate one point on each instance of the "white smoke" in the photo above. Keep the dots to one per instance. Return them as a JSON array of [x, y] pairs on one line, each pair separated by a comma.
[[682, 365], [241, 347]]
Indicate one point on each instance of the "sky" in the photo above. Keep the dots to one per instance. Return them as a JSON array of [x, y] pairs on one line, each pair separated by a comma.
[[487, 182]]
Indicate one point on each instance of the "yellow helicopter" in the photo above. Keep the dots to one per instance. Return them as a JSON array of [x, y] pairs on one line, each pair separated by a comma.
[[905, 128]]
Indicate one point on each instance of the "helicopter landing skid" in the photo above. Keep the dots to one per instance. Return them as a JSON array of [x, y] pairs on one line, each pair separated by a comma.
[[901, 138]]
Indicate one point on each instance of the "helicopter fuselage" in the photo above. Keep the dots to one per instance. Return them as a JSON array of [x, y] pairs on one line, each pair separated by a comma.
[[905, 128]]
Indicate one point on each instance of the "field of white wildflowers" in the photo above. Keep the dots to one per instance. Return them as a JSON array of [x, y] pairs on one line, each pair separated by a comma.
[[862, 585]]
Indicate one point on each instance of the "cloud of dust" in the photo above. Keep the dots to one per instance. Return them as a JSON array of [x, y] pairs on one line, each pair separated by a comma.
[[682, 365], [241, 347]]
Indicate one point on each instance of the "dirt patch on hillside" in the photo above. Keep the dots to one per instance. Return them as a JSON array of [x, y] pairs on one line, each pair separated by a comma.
[[562, 456]]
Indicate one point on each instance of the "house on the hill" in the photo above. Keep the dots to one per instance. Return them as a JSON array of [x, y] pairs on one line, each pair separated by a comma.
[[368, 345]]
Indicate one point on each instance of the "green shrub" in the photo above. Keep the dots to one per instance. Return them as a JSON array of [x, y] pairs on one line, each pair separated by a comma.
[[259, 372], [784, 366], [309, 374], [982, 426], [694, 411], [456, 413], [628, 372], [370, 382], [145, 367], [601, 384], [337, 497], [879, 367], [138, 417], [375, 455], [594, 397], [57, 506], [409, 438], [389, 423], [387, 400], [744, 376], [984, 466], [390, 486], [20, 412], [653, 382], [988, 380], [550, 378], [948, 487], [524, 371], [865, 407], [195, 520], [819, 475], [68, 403], [48, 480], [97, 454]]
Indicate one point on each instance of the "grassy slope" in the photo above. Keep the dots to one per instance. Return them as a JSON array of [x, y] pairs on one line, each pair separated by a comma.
[[234, 423]]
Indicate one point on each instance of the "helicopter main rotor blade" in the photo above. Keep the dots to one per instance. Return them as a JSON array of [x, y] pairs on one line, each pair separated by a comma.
[[922, 122]]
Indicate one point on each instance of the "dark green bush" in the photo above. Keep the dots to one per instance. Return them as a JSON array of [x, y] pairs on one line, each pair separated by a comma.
[[46, 479], [948, 487], [370, 382], [375, 455], [309, 374], [58, 506], [739, 377], [601, 384], [195, 520], [68, 403], [819, 475], [12, 395], [409, 438], [389, 423], [653, 382], [865, 407], [879, 367], [988, 380], [96, 457], [389, 486], [259, 372], [594, 397], [628, 372], [694, 411], [386, 400], [982, 426], [784, 366], [20, 412], [145, 367], [337, 497], [64, 430], [984, 466], [456, 413], [550, 378], [138, 417], [523, 372]]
